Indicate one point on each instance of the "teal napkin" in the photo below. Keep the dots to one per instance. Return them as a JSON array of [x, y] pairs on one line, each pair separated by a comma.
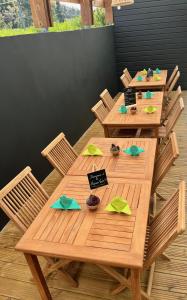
[[157, 71], [65, 203], [119, 205], [148, 95], [123, 109], [133, 150], [139, 78]]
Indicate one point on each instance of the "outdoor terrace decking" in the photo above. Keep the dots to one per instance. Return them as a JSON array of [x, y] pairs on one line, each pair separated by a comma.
[[170, 278]]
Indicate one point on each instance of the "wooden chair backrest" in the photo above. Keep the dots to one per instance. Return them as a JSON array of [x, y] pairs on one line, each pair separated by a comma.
[[100, 111], [125, 81], [107, 99], [166, 225], [60, 154], [164, 161], [22, 199], [174, 115], [173, 101], [172, 77], [127, 74], [173, 83]]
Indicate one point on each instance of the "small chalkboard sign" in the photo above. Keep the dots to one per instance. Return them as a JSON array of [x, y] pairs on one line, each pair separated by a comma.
[[97, 179]]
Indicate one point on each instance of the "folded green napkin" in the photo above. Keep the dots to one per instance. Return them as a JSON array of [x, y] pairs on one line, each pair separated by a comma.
[[148, 95], [119, 205], [144, 72], [150, 109], [139, 78], [157, 77], [157, 71], [123, 109], [65, 203], [92, 150], [133, 150]]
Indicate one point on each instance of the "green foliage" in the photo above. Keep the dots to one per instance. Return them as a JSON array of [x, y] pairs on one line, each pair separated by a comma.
[[99, 17]]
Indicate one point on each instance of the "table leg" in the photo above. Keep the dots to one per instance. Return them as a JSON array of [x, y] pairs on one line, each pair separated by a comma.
[[135, 283], [106, 131], [156, 132], [38, 276]]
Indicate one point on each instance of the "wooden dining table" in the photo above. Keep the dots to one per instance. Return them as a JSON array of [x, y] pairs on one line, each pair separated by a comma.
[[116, 120], [149, 85], [106, 239]]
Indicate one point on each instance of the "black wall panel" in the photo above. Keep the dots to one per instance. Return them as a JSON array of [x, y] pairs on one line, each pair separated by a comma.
[[48, 84], [152, 33]]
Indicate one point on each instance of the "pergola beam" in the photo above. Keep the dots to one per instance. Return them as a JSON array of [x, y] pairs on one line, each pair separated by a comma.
[[41, 13], [86, 12]]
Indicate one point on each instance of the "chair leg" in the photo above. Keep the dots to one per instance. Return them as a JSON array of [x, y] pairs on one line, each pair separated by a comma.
[[161, 197], [144, 296], [165, 256], [150, 279]]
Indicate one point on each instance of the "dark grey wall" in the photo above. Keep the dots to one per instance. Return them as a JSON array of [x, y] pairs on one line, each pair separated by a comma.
[[152, 33], [48, 84]]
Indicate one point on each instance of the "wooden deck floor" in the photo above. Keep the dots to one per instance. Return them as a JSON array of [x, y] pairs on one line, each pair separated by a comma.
[[170, 279]]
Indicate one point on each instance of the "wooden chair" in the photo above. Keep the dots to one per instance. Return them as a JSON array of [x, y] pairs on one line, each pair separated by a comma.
[[168, 83], [171, 103], [21, 200], [127, 74], [161, 232], [172, 84], [124, 80], [107, 99], [101, 111], [60, 154], [168, 125], [164, 161]]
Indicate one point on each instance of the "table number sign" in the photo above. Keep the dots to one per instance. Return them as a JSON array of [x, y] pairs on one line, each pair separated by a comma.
[[97, 179]]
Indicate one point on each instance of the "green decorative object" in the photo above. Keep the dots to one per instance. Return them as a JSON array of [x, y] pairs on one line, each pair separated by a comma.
[[66, 203], [92, 150], [123, 109], [133, 150], [139, 78], [119, 205], [148, 95], [144, 72], [157, 77], [157, 71], [150, 109]]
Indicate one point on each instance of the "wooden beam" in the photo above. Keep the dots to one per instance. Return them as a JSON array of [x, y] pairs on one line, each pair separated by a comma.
[[108, 12], [86, 12], [41, 13]]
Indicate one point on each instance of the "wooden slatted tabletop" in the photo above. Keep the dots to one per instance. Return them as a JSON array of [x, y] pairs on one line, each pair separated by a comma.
[[125, 166], [149, 84], [141, 119], [97, 237]]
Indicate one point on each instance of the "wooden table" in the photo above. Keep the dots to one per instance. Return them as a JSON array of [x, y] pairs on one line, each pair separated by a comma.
[[106, 239], [124, 166], [152, 84], [141, 119]]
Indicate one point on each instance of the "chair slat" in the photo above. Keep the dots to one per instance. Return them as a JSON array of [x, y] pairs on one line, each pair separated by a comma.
[[174, 115], [60, 154], [173, 83], [127, 74], [172, 101]]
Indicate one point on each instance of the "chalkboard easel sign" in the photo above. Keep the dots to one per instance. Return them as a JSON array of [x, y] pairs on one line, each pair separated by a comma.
[[97, 179]]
